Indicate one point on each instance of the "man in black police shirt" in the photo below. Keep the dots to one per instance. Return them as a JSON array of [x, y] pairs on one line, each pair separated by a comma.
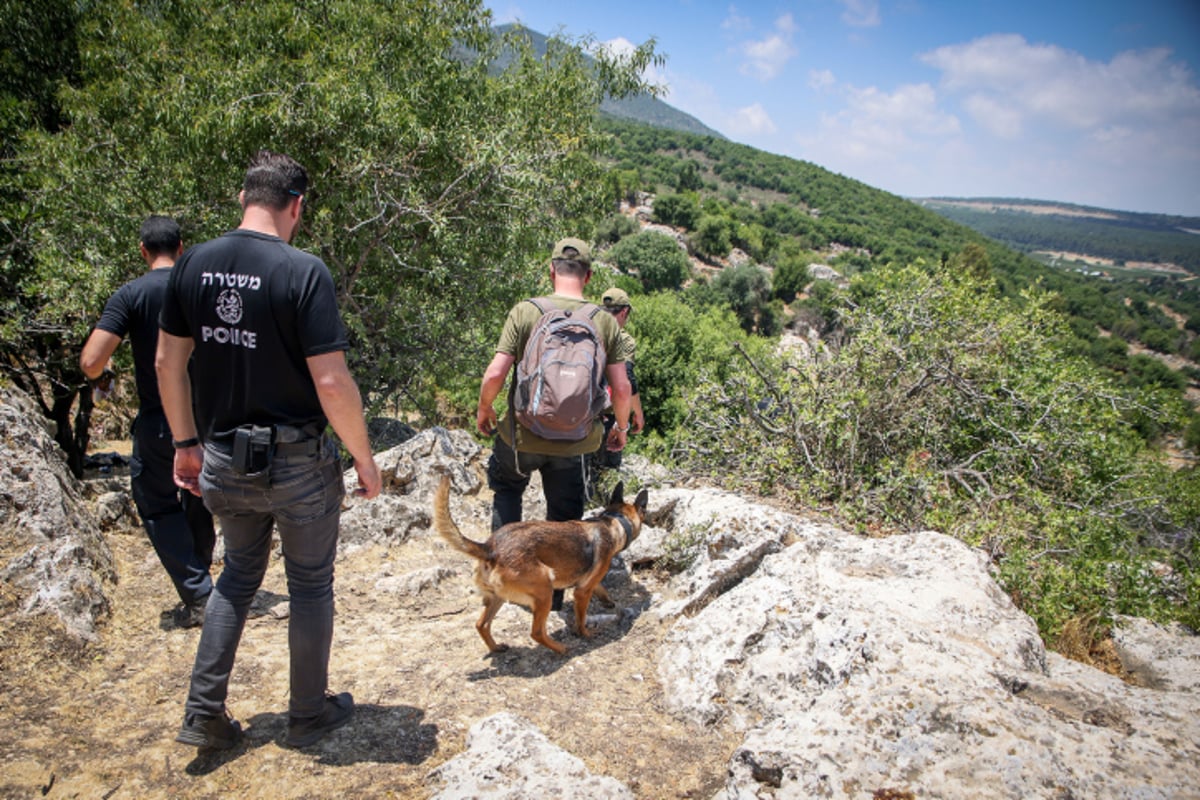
[[260, 319], [179, 527]]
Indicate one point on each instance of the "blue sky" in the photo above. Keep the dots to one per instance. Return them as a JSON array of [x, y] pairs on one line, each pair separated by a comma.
[[1095, 103]]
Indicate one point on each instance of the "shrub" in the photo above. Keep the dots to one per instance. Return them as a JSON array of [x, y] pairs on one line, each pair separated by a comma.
[[681, 210], [949, 407], [656, 258]]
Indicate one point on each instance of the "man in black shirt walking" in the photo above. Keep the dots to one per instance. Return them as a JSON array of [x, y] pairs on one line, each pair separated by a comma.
[[179, 526], [260, 320]]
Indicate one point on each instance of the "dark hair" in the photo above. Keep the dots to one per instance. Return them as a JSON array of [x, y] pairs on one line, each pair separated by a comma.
[[569, 266], [160, 236], [273, 179]]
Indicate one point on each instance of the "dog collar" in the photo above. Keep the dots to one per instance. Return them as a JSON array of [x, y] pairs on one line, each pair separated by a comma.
[[626, 524]]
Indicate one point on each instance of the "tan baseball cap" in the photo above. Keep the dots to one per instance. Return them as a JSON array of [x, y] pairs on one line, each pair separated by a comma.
[[563, 251], [616, 298]]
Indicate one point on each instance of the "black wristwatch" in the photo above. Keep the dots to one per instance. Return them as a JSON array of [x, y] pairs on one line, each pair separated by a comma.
[[180, 444]]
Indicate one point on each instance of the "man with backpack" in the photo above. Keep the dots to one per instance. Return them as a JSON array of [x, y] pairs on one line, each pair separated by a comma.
[[555, 400]]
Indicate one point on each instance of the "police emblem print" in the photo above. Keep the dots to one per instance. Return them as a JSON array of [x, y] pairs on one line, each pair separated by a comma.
[[229, 306]]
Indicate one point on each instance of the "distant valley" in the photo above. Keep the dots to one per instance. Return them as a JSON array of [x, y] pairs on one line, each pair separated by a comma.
[[1093, 241]]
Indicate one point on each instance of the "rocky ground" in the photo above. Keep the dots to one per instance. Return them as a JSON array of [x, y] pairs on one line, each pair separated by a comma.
[[99, 721]]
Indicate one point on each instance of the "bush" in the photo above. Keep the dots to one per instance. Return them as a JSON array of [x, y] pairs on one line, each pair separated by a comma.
[[680, 210], [713, 237], [948, 407], [747, 290], [656, 258], [612, 229]]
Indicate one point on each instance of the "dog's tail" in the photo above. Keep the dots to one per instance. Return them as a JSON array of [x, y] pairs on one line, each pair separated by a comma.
[[448, 530]]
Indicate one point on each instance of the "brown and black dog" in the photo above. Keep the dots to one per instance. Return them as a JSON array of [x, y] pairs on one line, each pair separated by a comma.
[[524, 562]]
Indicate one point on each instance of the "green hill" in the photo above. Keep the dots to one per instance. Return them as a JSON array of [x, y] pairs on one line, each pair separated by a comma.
[[637, 108], [1141, 244], [788, 213]]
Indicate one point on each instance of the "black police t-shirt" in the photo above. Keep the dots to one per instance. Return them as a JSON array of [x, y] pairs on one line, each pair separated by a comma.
[[256, 308], [133, 311]]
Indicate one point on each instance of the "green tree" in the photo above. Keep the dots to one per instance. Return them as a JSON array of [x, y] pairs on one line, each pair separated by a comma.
[[678, 346], [438, 183], [654, 257], [713, 237], [688, 177], [680, 210], [747, 290]]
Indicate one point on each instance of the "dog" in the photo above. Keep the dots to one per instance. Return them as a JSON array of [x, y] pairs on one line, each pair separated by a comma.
[[524, 562]]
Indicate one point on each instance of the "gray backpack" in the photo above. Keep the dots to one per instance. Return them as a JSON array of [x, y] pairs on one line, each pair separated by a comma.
[[558, 388]]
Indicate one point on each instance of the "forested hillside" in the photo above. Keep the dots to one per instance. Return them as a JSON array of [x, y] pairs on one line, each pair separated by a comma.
[[789, 213], [1128, 240], [932, 378]]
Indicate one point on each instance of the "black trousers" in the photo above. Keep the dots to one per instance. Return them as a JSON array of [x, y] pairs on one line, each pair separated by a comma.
[[563, 483], [179, 526]]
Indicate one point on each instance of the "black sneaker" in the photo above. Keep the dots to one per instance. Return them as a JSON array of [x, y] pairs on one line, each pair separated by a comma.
[[189, 615], [337, 712], [215, 733]]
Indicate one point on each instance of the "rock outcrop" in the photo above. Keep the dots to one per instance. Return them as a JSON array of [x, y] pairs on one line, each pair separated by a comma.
[[53, 558], [841, 666], [896, 667]]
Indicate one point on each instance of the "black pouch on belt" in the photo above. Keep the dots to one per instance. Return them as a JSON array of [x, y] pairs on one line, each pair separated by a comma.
[[252, 448]]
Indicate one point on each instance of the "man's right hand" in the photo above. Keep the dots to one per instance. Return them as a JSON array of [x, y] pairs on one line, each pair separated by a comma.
[[369, 481], [485, 420], [188, 463]]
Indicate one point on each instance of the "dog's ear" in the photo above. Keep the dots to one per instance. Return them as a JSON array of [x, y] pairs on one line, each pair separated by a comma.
[[641, 502], [618, 494]]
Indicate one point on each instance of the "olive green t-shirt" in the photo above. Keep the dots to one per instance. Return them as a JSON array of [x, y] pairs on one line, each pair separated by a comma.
[[625, 346], [517, 327]]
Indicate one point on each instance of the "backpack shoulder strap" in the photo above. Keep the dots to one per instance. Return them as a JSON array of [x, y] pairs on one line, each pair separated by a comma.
[[539, 303]]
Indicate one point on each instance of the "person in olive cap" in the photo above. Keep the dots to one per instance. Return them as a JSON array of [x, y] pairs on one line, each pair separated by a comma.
[[616, 302], [516, 450]]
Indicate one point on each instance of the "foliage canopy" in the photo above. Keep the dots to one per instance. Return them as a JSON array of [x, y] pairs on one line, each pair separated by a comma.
[[436, 182]]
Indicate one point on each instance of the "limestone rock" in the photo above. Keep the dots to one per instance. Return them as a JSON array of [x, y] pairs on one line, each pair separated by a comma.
[[51, 550], [508, 758]]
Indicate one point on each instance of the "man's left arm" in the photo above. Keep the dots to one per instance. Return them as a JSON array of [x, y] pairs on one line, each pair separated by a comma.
[[342, 404], [618, 382], [175, 389]]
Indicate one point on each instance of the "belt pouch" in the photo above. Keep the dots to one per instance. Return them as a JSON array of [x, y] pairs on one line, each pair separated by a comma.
[[252, 448]]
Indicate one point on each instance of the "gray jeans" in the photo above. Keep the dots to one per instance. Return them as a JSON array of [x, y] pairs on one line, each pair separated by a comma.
[[302, 500]]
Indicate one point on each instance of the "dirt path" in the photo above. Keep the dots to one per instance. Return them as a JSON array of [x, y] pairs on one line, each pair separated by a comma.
[[99, 722]]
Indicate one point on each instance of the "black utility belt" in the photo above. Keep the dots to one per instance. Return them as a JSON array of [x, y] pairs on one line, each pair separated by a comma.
[[253, 447]]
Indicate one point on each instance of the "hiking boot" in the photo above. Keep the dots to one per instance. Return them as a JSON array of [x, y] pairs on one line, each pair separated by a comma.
[[189, 615], [337, 712], [214, 733]]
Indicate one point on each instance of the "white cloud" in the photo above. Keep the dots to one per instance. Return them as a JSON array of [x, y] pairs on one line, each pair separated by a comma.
[[1003, 76], [735, 21], [753, 120], [861, 13], [620, 47], [881, 137], [507, 14], [821, 79], [1000, 120], [766, 58]]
